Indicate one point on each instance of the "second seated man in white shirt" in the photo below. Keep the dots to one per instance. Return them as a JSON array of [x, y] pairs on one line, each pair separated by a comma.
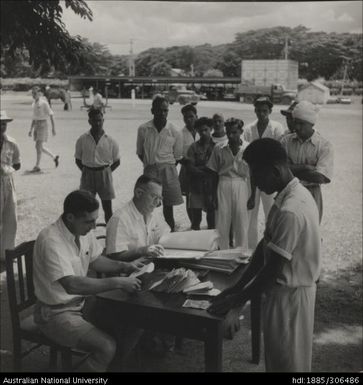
[[134, 230]]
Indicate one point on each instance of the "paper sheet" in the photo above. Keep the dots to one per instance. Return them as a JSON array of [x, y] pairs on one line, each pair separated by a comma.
[[149, 268], [203, 240]]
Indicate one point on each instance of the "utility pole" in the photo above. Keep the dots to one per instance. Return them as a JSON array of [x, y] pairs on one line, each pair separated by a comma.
[[131, 60], [286, 49]]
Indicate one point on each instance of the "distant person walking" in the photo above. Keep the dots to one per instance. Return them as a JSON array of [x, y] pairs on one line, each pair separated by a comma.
[[97, 156], [310, 155], [39, 127], [159, 146], [10, 162], [263, 127]]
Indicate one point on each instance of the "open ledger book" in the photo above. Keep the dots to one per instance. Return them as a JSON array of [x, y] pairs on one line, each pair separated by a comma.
[[198, 249]]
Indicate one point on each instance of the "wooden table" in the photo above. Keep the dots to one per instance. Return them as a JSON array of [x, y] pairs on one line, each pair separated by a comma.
[[163, 312]]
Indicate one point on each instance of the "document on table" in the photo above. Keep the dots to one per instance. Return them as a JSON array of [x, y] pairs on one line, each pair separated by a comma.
[[194, 304]]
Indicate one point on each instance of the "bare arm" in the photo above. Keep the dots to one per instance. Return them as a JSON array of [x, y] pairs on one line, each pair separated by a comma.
[[31, 127], [115, 165], [52, 122], [106, 265], [141, 252], [79, 164], [76, 285]]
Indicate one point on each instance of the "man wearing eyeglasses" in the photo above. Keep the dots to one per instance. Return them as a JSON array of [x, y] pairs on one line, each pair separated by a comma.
[[134, 230]]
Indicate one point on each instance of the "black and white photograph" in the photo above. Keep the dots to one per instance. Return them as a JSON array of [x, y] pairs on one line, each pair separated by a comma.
[[181, 189]]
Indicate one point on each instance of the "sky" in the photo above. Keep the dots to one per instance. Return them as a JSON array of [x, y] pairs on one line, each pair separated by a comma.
[[168, 23]]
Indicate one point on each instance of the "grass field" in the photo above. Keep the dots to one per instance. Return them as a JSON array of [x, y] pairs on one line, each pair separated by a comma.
[[338, 338]]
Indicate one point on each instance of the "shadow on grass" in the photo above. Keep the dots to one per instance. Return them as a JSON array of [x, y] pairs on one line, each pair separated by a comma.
[[338, 343]]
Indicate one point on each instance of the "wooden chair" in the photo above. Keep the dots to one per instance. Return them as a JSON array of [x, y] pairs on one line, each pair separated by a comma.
[[21, 300]]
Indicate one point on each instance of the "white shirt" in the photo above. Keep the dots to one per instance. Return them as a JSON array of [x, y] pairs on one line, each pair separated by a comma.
[[228, 165], [274, 130], [315, 151], [155, 147], [9, 155], [127, 230], [188, 139], [293, 231], [97, 101], [92, 154], [56, 255], [41, 109]]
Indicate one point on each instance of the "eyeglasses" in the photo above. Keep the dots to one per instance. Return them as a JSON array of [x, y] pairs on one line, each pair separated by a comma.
[[155, 197]]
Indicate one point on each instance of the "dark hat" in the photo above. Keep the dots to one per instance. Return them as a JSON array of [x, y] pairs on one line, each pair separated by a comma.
[[263, 100], [289, 110]]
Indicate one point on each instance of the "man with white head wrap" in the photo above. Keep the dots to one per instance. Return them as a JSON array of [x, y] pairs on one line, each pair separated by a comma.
[[310, 155]]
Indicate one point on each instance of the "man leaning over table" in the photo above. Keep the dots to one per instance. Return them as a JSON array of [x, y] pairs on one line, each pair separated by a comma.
[[66, 310]]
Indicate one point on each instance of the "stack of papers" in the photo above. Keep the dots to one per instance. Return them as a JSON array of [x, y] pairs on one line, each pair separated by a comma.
[[202, 289], [224, 261], [189, 244], [176, 281]]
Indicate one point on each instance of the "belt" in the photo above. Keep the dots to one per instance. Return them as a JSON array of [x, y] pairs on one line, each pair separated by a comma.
[[96, 168]]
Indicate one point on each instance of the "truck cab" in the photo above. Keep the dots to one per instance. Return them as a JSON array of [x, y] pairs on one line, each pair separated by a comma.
[[181, 95]]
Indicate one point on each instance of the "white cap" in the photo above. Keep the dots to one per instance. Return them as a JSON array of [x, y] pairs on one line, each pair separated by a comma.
[[305, 110]]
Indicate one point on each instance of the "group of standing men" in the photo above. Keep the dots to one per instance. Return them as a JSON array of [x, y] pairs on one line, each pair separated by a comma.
[[222, 174]]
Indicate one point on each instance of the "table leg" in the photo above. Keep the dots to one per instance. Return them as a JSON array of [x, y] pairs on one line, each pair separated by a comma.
[[256, 328], [213, 346]]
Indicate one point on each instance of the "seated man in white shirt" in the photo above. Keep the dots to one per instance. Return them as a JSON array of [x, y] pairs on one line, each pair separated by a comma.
[[63, 252], [134, 231]]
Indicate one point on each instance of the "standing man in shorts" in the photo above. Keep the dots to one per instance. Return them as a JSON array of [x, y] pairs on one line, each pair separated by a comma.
[[97, 156], [159, 146], [39, 127]]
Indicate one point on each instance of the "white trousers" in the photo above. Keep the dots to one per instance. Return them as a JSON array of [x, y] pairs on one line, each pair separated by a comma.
[[232, 210], [8, 222], [267, 202], [288, 322]]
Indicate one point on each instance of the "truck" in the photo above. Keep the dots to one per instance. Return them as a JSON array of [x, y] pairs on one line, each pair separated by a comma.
[[181, 95], [274, 78]]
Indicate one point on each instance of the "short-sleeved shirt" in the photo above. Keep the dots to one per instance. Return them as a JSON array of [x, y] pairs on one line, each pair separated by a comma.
[[56, 255], [292, 231], [10, 155], [188, 139], [127, 230], [228, 165], [92, 154], [41, 109], [155, 147], [274, 130], [97, 101], [315, 151]]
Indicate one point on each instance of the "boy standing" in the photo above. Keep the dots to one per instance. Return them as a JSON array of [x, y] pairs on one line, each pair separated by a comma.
[[190, 135], [263, 127], [41, 112], [233, 187], [97, 156], [10, 162], [202, 188], [285, 264]]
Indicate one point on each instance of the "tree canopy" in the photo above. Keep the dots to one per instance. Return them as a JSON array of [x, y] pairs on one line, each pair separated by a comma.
[[36, 27]]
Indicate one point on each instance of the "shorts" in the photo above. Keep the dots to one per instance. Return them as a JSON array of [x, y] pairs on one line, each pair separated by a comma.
[[40, 132], [65, 324], [168, 175], [98, 182]]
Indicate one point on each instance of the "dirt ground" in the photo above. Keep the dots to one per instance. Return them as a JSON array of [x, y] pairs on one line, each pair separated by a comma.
[[338, 325]]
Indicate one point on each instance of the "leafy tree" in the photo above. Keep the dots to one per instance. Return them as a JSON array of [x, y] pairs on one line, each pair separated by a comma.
[[146, 59], [229, 63], [213, 73], [161, 69], [37, 26]]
